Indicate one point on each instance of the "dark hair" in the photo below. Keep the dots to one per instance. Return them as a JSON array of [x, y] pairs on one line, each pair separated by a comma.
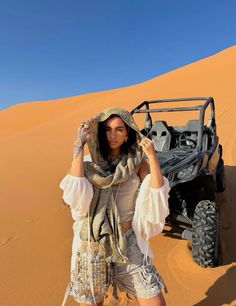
[[103, 146]]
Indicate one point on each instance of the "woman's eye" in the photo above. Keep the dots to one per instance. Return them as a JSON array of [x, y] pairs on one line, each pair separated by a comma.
[[118, 130]]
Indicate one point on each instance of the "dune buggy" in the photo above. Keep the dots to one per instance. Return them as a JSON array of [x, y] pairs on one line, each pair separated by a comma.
[[190, 157]]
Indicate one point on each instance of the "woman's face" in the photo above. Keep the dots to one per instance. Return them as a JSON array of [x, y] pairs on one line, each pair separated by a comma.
[[116, 132]]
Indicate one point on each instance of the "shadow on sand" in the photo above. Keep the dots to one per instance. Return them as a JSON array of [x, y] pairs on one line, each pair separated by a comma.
[[227, 209], [222, 291]]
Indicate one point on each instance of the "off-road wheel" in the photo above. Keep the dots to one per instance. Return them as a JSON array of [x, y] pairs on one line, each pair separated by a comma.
[[205, 234], [220, 176]]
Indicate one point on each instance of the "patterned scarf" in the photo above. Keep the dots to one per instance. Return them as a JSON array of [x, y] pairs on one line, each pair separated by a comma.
[[102, 224]]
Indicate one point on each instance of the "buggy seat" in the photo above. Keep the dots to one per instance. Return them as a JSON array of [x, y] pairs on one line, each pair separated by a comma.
[[161, 136]]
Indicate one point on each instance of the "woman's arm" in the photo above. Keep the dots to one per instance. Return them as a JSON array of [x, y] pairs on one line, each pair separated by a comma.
[[77, 165], [151, 165], [152, 202], [78, 191]]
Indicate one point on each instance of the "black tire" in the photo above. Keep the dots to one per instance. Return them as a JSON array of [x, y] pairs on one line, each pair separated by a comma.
[[220, 176], [205, 234]]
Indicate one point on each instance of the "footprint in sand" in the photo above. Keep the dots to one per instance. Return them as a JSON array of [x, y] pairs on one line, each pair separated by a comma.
[[6, 240]]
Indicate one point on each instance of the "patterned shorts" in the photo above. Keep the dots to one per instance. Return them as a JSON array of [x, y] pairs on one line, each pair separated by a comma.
[[136, 277]]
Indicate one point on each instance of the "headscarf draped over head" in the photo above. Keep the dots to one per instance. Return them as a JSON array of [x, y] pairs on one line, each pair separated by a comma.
[[103, 217], [103, 116]]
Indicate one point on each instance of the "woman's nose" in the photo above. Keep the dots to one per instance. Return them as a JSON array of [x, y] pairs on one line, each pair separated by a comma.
[[113, 133]]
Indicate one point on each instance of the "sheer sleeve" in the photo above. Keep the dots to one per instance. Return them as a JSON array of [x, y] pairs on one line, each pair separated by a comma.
[[151, 209], [78, 193]]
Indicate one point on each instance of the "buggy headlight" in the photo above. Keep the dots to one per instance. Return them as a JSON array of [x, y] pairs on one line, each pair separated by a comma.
[[185, 172]]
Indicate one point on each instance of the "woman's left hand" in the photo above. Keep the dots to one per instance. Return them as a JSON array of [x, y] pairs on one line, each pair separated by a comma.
[[148, 147]]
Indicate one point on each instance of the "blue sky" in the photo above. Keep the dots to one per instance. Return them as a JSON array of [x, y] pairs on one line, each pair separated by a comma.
[[58, 48]]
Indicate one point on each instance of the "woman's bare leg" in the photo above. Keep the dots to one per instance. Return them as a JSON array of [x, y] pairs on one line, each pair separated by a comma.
[[157, 300]]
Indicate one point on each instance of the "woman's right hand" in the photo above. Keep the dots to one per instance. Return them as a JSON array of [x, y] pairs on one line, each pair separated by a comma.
[[82, 136]]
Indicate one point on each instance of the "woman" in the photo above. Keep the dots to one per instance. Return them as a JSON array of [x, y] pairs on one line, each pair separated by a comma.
[[112, 223]]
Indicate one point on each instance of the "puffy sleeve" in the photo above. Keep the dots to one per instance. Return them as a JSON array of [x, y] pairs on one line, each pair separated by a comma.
[[151, 208], [77, 193]]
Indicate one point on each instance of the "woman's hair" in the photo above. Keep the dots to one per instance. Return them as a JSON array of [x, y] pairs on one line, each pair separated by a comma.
[[126, 147]]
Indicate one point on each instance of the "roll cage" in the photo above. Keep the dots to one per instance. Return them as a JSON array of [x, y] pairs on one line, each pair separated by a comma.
[[147, 108]]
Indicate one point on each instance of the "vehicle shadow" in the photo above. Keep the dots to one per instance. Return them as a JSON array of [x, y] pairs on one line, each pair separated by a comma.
[[227, 212], [222, 292]]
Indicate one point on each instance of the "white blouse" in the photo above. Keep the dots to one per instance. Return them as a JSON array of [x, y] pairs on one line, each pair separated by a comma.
[[151, 209]]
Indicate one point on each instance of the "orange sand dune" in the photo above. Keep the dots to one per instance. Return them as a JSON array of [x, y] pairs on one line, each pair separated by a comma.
[[36, 229]]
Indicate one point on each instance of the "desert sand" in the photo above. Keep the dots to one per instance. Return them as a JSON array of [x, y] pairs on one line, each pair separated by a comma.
[[36, 228]]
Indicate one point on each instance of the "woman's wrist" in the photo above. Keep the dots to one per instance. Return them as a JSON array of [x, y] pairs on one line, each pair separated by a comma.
[[152, 159], [78, 150], [77, 165]]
